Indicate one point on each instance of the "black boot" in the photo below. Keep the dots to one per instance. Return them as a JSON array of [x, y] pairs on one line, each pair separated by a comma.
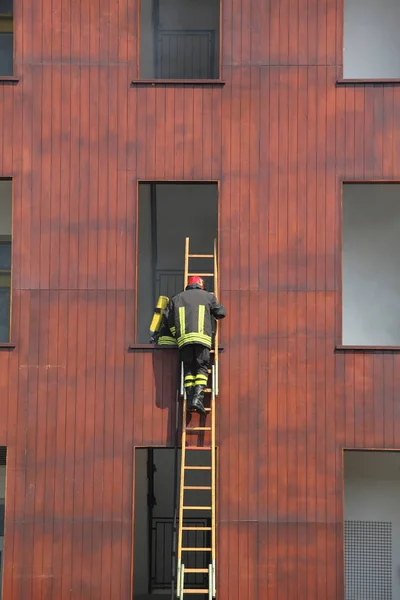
[[189, 398], [197, 402]]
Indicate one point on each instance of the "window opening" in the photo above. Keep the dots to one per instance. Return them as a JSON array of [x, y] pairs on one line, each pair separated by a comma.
[[370, 265], [371, 39], [3, 455], [179, 39], [6, 37], [5, 258], [168, 213], [371, 524], [154, 503]]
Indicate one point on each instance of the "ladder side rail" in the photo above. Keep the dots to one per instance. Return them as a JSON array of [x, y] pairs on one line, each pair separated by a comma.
[[216, 341], [175, 570], [214, 394], [181, 567], [186, 268], [182, 479], [213, 474]]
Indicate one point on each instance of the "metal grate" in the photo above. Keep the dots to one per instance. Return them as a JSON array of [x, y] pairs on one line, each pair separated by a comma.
[[170, 282], [368, 560], [3, 456], [161, 559], [186, 54]]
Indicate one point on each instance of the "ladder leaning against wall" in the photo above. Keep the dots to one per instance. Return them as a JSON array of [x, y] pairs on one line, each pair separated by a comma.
[[195, 440]]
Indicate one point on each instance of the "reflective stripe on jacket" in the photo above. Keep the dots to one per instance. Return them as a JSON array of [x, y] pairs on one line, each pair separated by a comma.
[[166, 337], [166, 340], [190, 316]]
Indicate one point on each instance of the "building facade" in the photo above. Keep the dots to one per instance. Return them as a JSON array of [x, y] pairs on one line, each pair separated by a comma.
[[300, 143]]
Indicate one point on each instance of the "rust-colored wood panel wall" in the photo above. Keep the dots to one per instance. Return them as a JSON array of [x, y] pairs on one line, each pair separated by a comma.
[[280, 135]]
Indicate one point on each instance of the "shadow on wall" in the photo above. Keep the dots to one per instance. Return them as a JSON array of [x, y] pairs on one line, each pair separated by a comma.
[[166, 372]]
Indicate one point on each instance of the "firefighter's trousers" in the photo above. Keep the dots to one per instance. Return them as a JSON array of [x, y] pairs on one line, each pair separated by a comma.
[[196, 362]]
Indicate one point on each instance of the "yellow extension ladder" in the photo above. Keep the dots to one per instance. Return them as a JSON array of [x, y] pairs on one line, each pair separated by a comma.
[[189, 466]]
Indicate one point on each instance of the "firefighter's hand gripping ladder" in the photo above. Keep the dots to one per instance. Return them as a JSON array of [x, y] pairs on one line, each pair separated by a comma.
[[210, 508]]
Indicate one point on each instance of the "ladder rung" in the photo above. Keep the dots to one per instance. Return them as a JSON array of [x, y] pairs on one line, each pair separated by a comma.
[[198, 448], [196, 529], [200, 255], [197, 487], [197, 507], [196, 590], [196, 570], [200, 274], [196, 550], [197, 468], [198, 429]]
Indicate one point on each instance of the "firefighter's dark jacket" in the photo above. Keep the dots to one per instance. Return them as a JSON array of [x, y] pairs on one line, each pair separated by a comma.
[[166, 338], [190, 314]]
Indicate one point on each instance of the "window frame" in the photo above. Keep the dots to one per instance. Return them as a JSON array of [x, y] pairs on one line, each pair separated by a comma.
[[135, 345], [348, 449], [3, 448], [5, 239], [351, 81], [6, 279], [339, 346], [7, 26], [187, 82]]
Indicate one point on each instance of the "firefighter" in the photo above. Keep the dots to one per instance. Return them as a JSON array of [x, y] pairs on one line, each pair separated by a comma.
[[190, 316]]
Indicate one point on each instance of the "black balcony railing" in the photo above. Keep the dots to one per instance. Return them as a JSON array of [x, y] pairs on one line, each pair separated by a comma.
[[161, 553], [184, 54]]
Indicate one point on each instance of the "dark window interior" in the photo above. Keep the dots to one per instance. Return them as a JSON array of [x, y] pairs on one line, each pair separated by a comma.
[[179, 39], [3, 455], [5, 258], [168, 213], [6, 37], [156, 474]]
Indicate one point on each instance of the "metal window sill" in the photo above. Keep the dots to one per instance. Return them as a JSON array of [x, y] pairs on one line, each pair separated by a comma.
[[148, 347], [8, 79], [367, 81], [185, 82], [341, 348], [7, 346]]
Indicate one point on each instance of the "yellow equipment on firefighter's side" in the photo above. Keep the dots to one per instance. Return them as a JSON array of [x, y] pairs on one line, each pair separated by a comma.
[[161, 305]]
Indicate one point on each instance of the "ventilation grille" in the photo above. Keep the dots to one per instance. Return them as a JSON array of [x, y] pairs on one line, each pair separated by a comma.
[[3, 456], [368, 560]]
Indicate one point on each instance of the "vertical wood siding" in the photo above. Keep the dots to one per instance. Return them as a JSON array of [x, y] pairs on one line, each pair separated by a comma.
[[280, 135]]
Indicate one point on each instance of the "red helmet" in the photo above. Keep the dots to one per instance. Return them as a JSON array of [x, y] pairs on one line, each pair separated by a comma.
[[196, 280]]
